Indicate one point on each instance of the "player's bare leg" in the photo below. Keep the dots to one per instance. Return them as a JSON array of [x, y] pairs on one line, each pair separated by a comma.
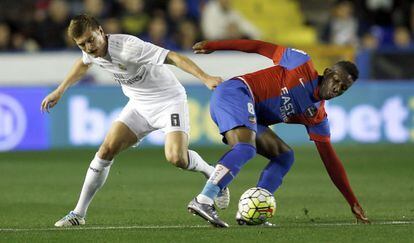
[[118, 138], [270, 145], [178, 154], [240, 135]]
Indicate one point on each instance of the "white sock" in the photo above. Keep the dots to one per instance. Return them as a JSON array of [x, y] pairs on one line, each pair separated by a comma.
[[95, 178], [204, 199], [196, 163]]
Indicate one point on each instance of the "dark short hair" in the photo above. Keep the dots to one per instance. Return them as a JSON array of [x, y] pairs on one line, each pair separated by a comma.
[[80, 24], [350, 68]]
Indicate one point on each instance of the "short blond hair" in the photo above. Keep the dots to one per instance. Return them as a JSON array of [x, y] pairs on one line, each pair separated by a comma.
[[80, 24]]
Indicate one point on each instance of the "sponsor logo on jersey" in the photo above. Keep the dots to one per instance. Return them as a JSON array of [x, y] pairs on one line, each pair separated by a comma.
[[286, 105], [124, 79]]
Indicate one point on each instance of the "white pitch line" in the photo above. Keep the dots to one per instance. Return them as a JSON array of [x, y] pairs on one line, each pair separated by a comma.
[[108, 228], [373, 223], [191, 226]]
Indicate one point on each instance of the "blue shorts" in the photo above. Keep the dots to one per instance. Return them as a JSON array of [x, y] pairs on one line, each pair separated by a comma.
[[232, 105]]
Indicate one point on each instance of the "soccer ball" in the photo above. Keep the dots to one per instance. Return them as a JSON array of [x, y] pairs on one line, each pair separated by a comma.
[[256, 206]]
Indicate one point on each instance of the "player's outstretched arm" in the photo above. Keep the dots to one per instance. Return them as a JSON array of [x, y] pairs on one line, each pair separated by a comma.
[[338, 176], [184, 63], [78, 70], [250, 46]]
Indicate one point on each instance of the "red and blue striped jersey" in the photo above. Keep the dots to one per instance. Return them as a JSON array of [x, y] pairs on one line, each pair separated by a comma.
[[288, 92]]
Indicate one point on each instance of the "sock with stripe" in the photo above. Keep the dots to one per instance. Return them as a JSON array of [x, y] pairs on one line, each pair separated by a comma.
[[225, 171], [95, 178], [196, 163]]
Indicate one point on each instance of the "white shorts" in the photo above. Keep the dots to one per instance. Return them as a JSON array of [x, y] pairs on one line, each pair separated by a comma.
[[167, 117]]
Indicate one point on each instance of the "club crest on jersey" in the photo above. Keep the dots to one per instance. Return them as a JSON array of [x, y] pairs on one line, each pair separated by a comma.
[[311, 111], [122, 67]]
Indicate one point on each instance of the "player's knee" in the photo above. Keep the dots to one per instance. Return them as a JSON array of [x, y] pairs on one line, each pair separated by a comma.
[[178, 159], [107, 151]]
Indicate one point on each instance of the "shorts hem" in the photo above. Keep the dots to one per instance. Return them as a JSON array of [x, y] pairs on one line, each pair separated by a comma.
[[169, 130]]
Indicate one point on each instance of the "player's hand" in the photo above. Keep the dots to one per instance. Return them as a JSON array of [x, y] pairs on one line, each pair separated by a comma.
[[359, 214], [199, 48], [212, 82], [50, 101]]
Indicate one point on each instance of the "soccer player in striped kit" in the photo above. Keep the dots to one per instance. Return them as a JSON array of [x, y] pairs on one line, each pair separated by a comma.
[[244, 107]]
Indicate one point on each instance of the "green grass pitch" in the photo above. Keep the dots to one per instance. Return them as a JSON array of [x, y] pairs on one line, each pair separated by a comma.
[[145, 198]]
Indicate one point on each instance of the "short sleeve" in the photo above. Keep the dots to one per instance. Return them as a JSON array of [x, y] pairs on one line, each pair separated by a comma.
[[290, 58], [86, 59], [319, 132], [145, 52]]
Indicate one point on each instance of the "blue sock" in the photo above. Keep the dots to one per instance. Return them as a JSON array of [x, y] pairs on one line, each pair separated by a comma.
[[272, 176], [228, 167], [210, 190]]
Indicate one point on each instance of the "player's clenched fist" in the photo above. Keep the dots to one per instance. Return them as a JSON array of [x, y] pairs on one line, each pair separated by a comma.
[[212, 82], [50, 101], [200, 48]]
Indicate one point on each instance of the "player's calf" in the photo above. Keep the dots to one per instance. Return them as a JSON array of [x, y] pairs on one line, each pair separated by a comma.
[[108, 152], [177, 159], [272, 176]]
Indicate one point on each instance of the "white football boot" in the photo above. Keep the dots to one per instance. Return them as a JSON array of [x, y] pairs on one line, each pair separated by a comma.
[[72, 219], [222, 200]]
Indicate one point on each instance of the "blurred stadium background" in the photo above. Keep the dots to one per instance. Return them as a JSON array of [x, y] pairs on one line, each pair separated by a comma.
[[35, 55]]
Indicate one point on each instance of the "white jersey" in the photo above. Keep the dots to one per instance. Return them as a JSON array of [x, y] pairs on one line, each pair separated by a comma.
[[138, 66]]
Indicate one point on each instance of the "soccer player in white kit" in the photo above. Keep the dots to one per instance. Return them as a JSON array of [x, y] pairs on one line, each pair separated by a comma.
[[156, 101]]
